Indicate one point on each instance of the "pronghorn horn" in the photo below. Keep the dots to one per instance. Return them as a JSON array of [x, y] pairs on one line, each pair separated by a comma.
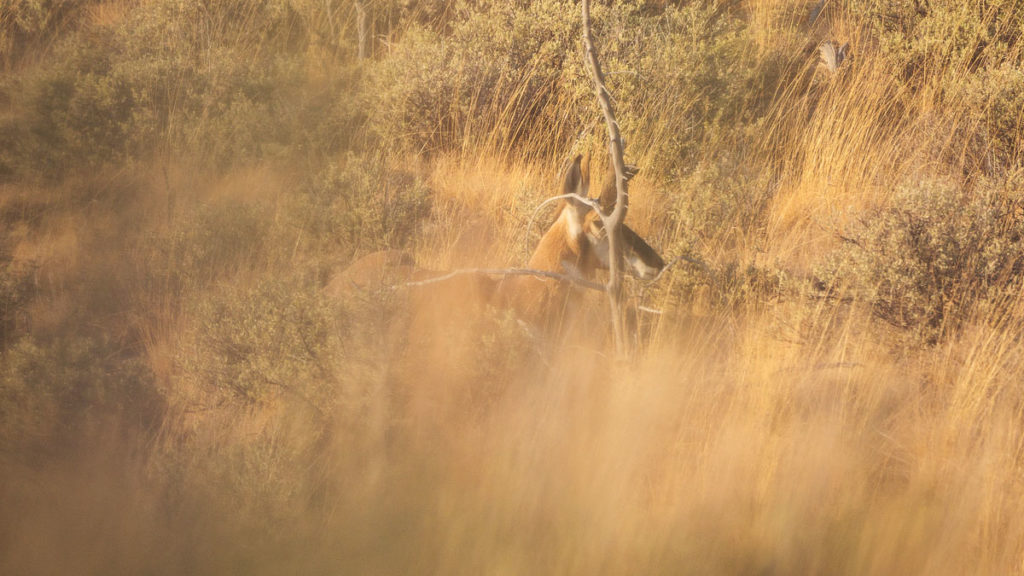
[[573, 177]]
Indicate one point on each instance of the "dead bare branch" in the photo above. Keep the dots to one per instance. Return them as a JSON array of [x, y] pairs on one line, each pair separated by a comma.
[[613, 222], [682, 258], [578, 281]]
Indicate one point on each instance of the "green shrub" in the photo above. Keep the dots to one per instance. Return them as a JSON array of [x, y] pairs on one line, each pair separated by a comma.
[[360, 207], [925, 261], [989, 113], [499, 70], [56, 392], [211, 243], [695, 87], [26, 24], [922, 38], [254, 344], [511, 76], [79, 112], [719, 203], [226, 83], [219, 82], [16, 289], [212, 87]]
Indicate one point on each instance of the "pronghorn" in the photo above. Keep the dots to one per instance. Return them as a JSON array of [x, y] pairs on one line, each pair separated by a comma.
[[440, 341], [575, 245]]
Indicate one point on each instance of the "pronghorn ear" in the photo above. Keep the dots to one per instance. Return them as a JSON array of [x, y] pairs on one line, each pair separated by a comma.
[[609, 193], [573, 178]]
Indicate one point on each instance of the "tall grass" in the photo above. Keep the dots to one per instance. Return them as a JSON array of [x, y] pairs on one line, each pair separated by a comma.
[[831, 386]]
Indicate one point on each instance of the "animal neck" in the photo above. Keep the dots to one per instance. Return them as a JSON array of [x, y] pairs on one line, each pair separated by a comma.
[[562, 247]]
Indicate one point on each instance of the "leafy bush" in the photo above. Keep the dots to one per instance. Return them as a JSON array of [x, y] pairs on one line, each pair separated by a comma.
[[79, 112], [924, 38], [53, 392], [26, 23], [15, 291], [717, 202], [512, 76], [272, 340], [933, 254], [500, 70], [990, 114], [695, 86], [226, 83], [213, 85], [213, 242], [223, 84], [361, 207], [965, 57]]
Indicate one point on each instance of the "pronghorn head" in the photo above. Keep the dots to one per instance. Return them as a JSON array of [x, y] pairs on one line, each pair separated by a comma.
[[577, 244]]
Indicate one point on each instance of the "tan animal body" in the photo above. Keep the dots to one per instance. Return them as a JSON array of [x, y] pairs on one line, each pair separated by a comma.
[[575, 245], [440, 337]]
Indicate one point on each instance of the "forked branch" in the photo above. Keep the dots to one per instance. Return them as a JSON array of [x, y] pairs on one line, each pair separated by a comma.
[[613, 222]]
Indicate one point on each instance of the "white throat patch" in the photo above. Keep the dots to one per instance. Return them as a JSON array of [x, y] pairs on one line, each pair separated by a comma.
[[575, 225], [640, 268]]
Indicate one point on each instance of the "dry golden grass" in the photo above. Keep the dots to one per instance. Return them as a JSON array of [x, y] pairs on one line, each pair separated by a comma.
[[791, 440], [790, 433]]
